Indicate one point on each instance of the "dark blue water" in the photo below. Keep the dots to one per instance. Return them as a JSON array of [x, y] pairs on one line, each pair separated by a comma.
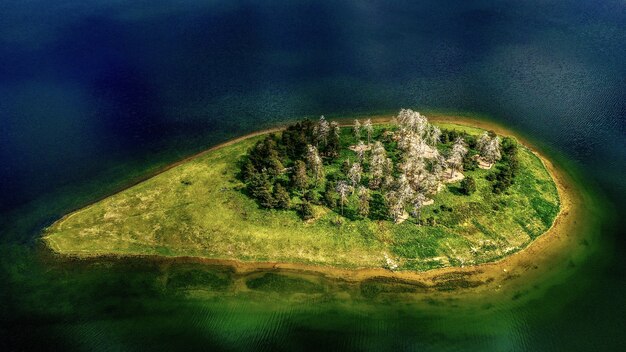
[[96, 94]]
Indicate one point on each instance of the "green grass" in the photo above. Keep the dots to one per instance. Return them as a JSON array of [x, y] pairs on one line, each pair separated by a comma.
[[199, 209]]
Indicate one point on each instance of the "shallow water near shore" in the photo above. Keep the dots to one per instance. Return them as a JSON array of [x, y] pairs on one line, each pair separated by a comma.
[[94, 101]]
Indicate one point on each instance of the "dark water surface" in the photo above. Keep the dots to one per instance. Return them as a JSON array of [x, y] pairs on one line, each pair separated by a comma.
[[96, 94]]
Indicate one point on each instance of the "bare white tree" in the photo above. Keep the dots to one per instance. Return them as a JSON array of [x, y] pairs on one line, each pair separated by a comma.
[[360, 151], [367, 125], [455, 161], [491, 152], [483, 141], [418, 203], [388, 182], [355, 173], [343, 189], [315, 162], [434, 133], [412, 121], [439, 164], [323, 128], [403, 188], [388, 167], [414, 170], [334, 127], [430, 185], [357, 129], [377, 164], [395, 205]]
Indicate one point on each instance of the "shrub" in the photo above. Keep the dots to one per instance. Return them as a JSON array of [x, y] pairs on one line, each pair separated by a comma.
[[468, 185], [306, 210], [469, 163]]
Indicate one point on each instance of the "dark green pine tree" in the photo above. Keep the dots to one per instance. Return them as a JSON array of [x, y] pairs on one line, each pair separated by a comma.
[[306, 210], [299, 178], [281, 197], [330, 195], [468, 185], [261, 189]]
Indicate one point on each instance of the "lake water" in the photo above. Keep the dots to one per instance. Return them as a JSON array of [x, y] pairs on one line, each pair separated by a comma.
[[97, 94]]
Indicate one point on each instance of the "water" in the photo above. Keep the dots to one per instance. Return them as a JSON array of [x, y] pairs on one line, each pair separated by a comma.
[[97, 94]]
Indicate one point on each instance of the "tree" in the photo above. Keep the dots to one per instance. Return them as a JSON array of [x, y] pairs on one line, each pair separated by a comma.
[[367, 125], [343, 189], [295, 139], [388, 167], [489, 147], [330, 195], [418, 203], [364, 201], [299, 178], [403, 188], [275, 167], [438, 165], [315, 163], [306, 210], [264, 155], [312, 196], [505, 174], [483, 141], [434, 134], [395, 205], [357, 129], [261, 189], [414, 170], [468, 185], [388, 182], [360, 151], [455, 161], [469, 162], [377, 165], [412, 121], [334, 128], [354, 175], [322, 130], [492, 151], [332, 148], [345, 166], [281, 197], [247, 170]]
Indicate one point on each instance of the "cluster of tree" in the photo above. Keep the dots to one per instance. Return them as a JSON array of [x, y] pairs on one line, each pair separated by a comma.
[[505, 173], [323, 135], [276, 167], [399, 179], [468, 185]]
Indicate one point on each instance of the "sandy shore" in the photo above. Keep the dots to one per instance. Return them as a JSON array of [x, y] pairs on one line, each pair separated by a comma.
[[482, 275]]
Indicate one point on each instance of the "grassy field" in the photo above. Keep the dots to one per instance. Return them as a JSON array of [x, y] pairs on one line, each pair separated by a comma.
[[199, 209]]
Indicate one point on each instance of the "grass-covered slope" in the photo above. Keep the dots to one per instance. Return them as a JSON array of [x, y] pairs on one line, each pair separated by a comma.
[[199, 209]]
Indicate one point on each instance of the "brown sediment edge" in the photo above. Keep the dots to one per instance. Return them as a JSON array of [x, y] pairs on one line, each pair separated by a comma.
[[527, 259]]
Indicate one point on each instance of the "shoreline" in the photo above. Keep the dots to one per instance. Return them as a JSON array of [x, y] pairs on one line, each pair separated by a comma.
[[480, 274]]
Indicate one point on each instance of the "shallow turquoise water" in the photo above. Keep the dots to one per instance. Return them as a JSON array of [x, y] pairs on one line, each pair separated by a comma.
[[96, 94]]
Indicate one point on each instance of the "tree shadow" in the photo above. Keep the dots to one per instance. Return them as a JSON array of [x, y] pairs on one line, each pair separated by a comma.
[[456, 190]]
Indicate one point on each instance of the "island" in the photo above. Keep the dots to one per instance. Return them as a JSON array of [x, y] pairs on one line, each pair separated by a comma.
[[402, 195]]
